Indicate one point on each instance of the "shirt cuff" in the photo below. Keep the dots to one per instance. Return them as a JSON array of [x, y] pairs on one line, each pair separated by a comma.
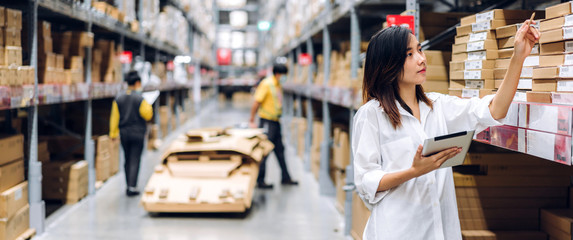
[[370, 182], [484, 114]]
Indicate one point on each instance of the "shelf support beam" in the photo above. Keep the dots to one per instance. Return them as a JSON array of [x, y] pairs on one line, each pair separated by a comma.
[[309, 112], [89, 150], [326, 185]]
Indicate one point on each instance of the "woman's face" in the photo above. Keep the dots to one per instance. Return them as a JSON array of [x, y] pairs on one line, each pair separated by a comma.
[[415, 64]]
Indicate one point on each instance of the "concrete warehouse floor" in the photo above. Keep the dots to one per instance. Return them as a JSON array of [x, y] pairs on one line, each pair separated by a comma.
[[297, 212]]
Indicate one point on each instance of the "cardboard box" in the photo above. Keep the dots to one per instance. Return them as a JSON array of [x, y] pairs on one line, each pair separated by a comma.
[[556, 35], [436, 86], [477, 36], [12, 148], [555, 60], [45, 45], [484, 26], [539, 97], [506, 42], [360, 215], [502, 63], [11, 174], [13, 199], [12, 228], [44, 29], [505, 53], [480, 84], [506, 31], [556, 48], [558, 10], [436, 73], [472, 65], [470, 93], [59, 61], [2, 17], [65, 181], [437, 58], [13, 55], [47, 60], [12, 37], [474, 46], [546, 73], [472, 74], [341, 151], [501, 14], [544, 85], [74, 63], [13, 18], [561, 219], [480, 55], [554, 23], [457, 84]]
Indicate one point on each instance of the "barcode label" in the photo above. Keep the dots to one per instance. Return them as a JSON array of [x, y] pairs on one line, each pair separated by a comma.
[[527, 72], [472, 65], [568, 59], [18, 194], [567, 32], [475, 46], [480, 36], [470, 93], [484, 16], [481, 26], [565, 72], [535, 49], [520, 96], [474, 84], [531, 61], [524, 84], [569, 46], [472, 74], [568, 21], [565, 86], [481, 55]]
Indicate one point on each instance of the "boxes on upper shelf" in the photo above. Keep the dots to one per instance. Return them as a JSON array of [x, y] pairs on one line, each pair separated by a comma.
[[472, 65], [556, 48], [13, 18], [11, 174], [501, 14], [479, 55], [13, 200], [558, 10], [12, 37], [474, 46], [477, 36]]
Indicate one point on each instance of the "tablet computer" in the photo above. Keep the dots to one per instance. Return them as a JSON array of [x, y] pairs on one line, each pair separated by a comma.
[[439, 143]]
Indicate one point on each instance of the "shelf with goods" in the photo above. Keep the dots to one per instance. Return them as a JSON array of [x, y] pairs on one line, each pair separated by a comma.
[[60, 91]]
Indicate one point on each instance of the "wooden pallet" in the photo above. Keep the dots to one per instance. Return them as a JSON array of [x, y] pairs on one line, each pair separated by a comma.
[[28, 234]]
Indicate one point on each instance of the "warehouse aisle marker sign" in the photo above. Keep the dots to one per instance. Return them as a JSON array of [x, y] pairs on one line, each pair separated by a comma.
[[403, 21]]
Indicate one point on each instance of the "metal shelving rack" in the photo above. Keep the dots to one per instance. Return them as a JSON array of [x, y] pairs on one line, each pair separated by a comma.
[[526, 122], [88, 92]]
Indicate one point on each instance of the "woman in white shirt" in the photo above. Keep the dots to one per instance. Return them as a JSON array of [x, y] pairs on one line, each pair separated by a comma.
[[409, 196]]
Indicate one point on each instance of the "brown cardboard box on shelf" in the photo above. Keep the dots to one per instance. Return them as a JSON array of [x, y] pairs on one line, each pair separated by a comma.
[[3, 76], [12, 228], [73, 76], [436, 86], [546, 73], [341, 151], [59, 61], [558, 10], [555, 60], [505, 53], [551, 24], [13, 55], [477, 36], [74, 62], [2, 55], [11, 174], [13, 18], [501, 14], [45, 45], [472, 65], [468, 93], [539, 97], [556, 48], [65, 181], [102, 7], [436, 73], [556, 35], [339, 182], [484, 26], [13, 200], [12, 74], [559, 219], [12, 37], [43, 152], [457, 84], [360, 215], [502, 63], [44, 29], [472, 74], [2, 16], [12, 148], [437, 57], [47, 60], [507, 42], [480, 55], [474, 46], [506, 31], [544, 85]]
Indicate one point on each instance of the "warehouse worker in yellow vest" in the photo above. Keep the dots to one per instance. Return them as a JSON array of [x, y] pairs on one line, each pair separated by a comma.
[[129, 114], [268, 102]]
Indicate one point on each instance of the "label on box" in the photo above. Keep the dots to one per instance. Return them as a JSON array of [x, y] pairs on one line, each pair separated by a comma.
[[18, 194], [567, 32], [527, 72], [484, 16], [481, 26], [569, 46], [481, 55], [565, 72], [565, 86], [531, 61], [474, 84], [472, 74], [480, 36], [568, 59], [524, 84], [470, 93], [521, 140], [568, 21], [519, 97], [475, 46], [535, 49], [472, 65]]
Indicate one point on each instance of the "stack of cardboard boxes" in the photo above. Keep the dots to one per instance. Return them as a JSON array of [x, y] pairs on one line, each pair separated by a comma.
[[65, 181], [12, 73], [299, 125], [50, 64], [340, 160], [554, 71], [106, 62], [557, 223], [437, 71], [500, 195], [14, 208], [316, 146], [103, 157], [506, 37], [476, 49]]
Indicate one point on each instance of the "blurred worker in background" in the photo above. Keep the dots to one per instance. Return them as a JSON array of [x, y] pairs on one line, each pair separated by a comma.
[[129, 114], [268, 102]]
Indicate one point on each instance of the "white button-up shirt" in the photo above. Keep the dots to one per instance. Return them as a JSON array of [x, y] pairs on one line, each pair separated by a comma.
[[423, 207]]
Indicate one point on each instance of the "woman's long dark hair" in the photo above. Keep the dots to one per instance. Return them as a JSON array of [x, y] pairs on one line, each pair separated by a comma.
[[384, 67]]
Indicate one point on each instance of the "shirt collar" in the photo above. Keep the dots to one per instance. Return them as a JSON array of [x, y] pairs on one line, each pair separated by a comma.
[[424, 110]]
